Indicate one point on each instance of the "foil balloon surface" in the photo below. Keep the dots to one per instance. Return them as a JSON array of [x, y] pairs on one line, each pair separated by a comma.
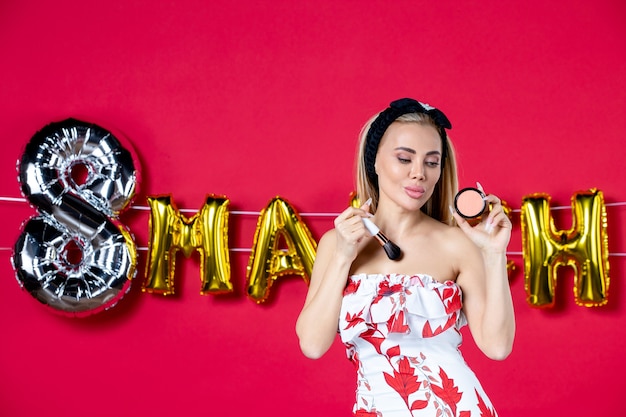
[[76, 256], [583, 247], [279, 225], [170, 232]]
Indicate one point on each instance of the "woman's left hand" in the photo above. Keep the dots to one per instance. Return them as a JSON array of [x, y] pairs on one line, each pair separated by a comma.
[[493, 233]]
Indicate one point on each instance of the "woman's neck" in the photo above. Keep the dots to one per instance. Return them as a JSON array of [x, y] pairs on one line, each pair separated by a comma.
[[396, 222]]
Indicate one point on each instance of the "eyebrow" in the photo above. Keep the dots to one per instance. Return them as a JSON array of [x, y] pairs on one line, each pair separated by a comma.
[[410, 150]]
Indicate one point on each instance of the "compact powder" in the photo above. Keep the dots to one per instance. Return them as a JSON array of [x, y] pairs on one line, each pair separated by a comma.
[[470, 203]]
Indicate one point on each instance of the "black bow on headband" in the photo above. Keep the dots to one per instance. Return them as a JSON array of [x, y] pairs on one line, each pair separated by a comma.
[[396, 109], [408, 105]]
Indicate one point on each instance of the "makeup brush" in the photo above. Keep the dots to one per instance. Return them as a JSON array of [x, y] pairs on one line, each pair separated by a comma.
[[391, 249]]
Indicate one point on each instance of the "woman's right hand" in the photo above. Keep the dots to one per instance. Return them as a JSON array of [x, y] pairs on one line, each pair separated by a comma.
[[337, 249], [350, 230]]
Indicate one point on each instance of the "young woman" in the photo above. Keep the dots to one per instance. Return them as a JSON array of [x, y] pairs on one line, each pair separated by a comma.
[[400, 319]]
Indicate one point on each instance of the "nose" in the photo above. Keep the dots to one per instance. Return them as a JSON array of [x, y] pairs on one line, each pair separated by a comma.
[[417, 171]]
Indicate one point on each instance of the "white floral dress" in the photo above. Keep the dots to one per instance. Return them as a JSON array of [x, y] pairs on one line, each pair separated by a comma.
[[403, 334]]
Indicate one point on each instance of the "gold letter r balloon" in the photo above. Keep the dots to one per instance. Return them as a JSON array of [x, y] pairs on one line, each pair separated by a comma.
[[584, 247]]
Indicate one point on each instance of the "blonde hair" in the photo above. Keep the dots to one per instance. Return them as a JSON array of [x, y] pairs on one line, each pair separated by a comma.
[[446, 188]]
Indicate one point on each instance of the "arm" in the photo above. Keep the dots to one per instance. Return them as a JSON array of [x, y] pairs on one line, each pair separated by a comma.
[[487, 301], [316, 326]]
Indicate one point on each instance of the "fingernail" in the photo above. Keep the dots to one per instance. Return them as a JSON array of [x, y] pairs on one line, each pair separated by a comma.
[[368, 202], [451, 210], [479, 186]]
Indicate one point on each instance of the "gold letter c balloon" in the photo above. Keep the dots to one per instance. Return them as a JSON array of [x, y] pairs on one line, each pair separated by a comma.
[[584, 247]]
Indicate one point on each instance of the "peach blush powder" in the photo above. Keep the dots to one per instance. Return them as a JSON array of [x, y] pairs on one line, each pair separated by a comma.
[[470, 202]]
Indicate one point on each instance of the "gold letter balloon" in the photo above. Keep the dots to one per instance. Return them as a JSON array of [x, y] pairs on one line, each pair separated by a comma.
[[584, 247], [205, 232], [268, 259]]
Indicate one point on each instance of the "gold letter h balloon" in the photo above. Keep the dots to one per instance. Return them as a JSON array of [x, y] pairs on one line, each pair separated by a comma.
[[584, 247]]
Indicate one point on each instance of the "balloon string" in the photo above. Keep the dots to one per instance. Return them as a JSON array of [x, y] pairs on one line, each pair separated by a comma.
[[615, 204], [248, 250], [13, 199], [184, 210], [256, 213]]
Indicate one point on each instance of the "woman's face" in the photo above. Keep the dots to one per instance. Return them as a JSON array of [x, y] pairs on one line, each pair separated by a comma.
[[408, 164]]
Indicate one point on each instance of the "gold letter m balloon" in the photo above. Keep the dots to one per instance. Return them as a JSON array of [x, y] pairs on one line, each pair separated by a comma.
[[205, 232], [267, 260], [584, 247]]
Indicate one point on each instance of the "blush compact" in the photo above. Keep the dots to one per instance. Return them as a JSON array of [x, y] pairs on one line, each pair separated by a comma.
[[470, 203]]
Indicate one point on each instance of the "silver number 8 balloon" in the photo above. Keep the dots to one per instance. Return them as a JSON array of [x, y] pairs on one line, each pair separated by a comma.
[[76, 256]]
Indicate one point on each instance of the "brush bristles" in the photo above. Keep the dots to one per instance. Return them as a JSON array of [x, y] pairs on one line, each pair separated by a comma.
[[392, 250]]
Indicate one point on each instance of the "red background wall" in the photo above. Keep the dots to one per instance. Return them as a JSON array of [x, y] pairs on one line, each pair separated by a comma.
[[257, 99]]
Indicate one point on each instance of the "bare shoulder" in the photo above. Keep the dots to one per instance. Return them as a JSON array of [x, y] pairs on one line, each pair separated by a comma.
[[325, 248], [328, 240], [454, 237], [451, 237], [457, 246]]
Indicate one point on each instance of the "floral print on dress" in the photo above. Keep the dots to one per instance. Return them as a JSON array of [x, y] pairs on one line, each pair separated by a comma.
[[402, 333]]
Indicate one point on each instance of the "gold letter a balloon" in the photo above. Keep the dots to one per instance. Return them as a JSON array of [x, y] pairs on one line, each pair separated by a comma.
[[267, 260]]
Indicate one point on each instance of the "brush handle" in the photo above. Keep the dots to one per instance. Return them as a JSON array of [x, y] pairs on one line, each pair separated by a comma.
[[391, 249], [370, 226]]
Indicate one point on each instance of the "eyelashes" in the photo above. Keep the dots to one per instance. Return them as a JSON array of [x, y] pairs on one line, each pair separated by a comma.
[[432, 164]]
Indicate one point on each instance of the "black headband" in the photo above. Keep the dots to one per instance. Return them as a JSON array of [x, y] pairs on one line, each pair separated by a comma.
[[388, 116]]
